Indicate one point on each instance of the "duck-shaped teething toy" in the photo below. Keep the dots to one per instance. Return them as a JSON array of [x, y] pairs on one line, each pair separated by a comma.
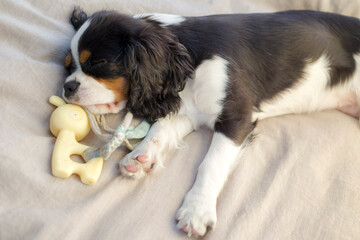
[[70, 124]]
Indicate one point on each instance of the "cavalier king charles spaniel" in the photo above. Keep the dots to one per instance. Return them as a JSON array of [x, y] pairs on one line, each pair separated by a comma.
[[224, 72]]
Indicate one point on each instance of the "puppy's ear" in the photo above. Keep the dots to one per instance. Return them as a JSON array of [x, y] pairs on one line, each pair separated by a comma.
[[78, 17], [158, 69]]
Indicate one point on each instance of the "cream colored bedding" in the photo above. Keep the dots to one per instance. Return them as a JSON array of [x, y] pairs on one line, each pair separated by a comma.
[[300, 179]]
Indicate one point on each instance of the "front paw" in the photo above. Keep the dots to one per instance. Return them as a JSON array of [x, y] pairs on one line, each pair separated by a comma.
[[195, 215], [143, 159]]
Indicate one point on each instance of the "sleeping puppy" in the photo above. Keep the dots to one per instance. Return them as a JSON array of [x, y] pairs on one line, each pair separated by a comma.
[[224, 72]]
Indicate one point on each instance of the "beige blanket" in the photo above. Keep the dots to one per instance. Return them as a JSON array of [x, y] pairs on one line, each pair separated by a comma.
[[300, 179]]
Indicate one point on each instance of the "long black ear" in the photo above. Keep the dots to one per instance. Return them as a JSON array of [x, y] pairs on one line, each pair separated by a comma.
[[78, 17], [158, 69]]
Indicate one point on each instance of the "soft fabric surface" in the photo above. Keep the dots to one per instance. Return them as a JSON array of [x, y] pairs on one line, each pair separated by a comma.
[[300, 179]]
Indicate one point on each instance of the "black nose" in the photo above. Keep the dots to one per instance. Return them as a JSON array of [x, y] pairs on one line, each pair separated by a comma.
[[70, 88]]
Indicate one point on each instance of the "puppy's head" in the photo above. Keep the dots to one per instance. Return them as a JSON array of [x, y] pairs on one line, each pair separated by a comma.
[[117, 61]]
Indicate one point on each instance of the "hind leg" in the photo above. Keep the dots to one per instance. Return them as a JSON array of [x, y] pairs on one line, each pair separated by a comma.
[[350, 105], [352, 110]]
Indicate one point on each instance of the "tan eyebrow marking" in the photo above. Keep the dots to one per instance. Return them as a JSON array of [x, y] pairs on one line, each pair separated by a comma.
[[67, 61], [84, 55]]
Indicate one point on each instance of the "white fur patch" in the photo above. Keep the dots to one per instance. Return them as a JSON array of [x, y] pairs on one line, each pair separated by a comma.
[[355, 82], [310, 94], [165, 19], [75, 42], [202, 96], [198, 210]]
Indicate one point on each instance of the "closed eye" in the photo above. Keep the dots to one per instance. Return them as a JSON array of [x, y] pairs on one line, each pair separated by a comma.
[[98, 67], [98, 63]]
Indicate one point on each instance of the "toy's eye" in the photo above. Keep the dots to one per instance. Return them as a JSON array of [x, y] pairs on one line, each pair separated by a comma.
[[76, 115]]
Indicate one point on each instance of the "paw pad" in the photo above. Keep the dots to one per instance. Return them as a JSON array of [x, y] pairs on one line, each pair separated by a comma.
[[142, 159], [132, 168], [192, 231]]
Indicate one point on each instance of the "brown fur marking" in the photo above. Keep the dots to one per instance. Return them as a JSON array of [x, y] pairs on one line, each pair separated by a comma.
[[67, 61], [120, 87], [84, 55]]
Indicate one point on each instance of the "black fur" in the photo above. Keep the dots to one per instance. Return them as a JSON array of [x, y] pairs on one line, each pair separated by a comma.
[[149, 56], [269, 51], [158, 67], [78, 17], [267, 54]]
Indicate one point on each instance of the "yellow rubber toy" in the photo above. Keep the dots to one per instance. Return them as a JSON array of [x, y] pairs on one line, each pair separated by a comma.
[[70, 124]]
